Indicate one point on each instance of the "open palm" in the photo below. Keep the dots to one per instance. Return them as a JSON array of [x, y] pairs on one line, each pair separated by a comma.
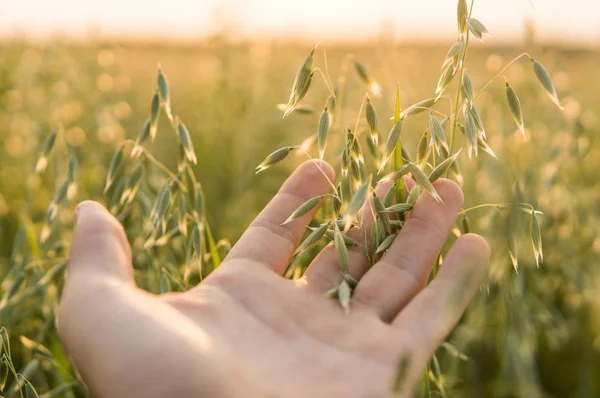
[[247, 332]]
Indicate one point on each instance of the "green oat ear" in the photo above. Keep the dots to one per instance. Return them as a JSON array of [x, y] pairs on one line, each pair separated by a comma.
[[476, 27], [145, 133], [322, 132], [362, 73], [462, 12], [515, 108], [356, 202], [423, 181], [419, 107], [162, 203], [3, 372], [313, 238], [344, 295], [347, 240], [30, 391], [275, 158], [304, 208], [163, 87], [445, 79], [471, 133], [391, 143], [115, 164], [387, 242], [455, 52], [301, 83], [373, 123], [42, 161], [401, 372], [341, 251], [379, 208], [545, 80], [466, 87], [443, 167], [154, 113], [186, 142], [437, 135], [536, 239], [399, 208]]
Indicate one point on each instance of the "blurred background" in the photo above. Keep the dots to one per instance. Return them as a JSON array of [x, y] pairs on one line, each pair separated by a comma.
[[91, 66]]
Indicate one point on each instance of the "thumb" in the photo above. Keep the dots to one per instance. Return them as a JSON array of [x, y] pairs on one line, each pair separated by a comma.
[[99, 248]]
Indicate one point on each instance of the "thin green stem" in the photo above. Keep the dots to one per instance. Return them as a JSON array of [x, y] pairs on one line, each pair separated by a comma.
[[461, 75], [442, 114], [214, 252], [360, 110], [342, 86], [523, 206], [326, 81], [161, 166], [331, 184], [398, 160], [499, 74], [426, 393]]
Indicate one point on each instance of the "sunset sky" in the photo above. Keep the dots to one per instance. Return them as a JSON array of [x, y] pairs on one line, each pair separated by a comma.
[[563, 20]]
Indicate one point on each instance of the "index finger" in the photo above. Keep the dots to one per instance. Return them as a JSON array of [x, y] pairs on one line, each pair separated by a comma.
[[269, 243]]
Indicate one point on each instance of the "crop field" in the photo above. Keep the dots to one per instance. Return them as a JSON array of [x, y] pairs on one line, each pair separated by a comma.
[[532, 330]]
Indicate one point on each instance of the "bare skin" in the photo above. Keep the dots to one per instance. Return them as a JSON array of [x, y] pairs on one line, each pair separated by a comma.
[[247, 332]]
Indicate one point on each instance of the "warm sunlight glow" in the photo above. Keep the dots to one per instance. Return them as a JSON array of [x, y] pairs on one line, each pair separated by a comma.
[[558, 20]]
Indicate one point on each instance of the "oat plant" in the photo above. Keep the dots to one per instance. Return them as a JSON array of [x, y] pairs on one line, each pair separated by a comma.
[[454, 132]]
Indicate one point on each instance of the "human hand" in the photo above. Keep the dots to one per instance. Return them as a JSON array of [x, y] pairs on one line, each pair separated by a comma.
[[247, 332]]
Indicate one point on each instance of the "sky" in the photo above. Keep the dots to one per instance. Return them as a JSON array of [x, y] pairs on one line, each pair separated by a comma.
[[555, 20]]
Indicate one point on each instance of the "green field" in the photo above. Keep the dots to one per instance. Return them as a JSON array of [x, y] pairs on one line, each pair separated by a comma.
[[534, 333]]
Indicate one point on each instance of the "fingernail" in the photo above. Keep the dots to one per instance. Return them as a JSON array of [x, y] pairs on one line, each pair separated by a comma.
[[81, 207]]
